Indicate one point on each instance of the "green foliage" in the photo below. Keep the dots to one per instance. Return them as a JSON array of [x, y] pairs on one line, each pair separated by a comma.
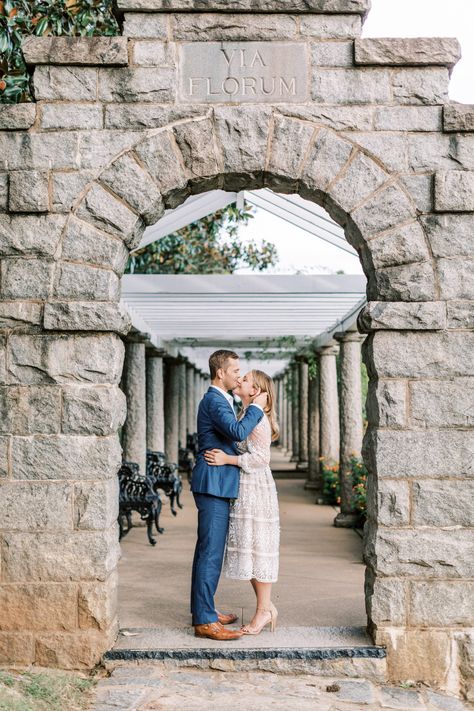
[[331, 488], [48, 690], [331, 485], [209, 246], [359, 487], [19, 18]]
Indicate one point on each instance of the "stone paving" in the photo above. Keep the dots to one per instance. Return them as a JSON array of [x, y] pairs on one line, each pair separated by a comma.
[[148, 688]]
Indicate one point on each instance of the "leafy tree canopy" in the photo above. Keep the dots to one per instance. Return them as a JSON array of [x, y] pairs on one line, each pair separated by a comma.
[[209, 246], [19, 18]]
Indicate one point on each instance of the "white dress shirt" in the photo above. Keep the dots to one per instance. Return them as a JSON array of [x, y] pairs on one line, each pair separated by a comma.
[[229, 398]]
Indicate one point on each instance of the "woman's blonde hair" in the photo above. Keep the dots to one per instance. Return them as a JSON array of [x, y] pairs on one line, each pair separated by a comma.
[[265, 383]]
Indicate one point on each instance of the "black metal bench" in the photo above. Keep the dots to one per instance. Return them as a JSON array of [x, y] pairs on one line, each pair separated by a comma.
[[164, 475], [137, 493]]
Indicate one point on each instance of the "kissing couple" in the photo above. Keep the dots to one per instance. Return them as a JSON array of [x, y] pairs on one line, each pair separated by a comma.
[[235, 495]]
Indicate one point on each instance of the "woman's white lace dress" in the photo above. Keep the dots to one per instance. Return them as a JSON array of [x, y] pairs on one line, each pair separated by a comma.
[[254, 526]]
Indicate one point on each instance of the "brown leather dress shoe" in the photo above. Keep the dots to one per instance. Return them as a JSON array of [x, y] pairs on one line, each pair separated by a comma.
[[214, 630], [226, 619]]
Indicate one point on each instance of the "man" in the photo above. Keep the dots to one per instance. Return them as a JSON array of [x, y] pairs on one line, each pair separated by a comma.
[[214, 486]]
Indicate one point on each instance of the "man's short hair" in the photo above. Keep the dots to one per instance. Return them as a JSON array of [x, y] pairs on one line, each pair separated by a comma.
[[219, 360]]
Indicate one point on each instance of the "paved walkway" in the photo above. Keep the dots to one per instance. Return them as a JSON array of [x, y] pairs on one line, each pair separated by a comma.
[[321, 582], [153, 688]]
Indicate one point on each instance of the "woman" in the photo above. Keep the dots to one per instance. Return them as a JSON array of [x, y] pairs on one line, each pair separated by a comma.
[[254, 530]]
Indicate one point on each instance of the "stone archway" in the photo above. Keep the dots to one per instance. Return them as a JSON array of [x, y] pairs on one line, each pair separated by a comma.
[[89, 192]]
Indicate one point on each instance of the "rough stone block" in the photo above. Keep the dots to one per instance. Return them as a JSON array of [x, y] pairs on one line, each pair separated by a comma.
[[332, 54], [135, 186], [143, 25], [441, 603], [21, 151], [424, 453], [456, 278], [153, 53], [327, 158], [75, 50], [18, 315], [393, 503], [84, 243], [16, 648], [390, 149], [137, 84], [4, 447], [30, 409], [290, 142], [15, 286], [423, 553], [243, 136], [351, 86], [360, 692], [339, 118], [66, 83], [32, 506], [408, 118], [67, 188], [28, 191], [420, 189], [65, 359], [81, 282], [78, 650], [35, 607], [3, 192], [387, 601], [445, 502], [3, 359], [98, 603], [416, 654], [460, 314], [454, 191], [72, 116], [99, 410], [30, 235], [331, 26], [191, 137], [458, 117], [361, 178], [408, 282], [404, 245], [437, 403], [385, 210], [420, 86], [271, 6], [86, 316], [96, 505], [97, 149], [17, 116], [42, 556], [400, 315], [147, 115], [63, 456], [444, 51], [387, 403], [104, 211], [450, 235], [431, 152], [162, 159], [208, 27], [420, 355]]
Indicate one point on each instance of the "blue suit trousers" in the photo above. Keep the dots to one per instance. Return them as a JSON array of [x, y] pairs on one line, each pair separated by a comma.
[[213, 523]]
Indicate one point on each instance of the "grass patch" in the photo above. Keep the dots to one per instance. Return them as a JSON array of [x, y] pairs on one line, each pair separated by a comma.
[[45, 690]]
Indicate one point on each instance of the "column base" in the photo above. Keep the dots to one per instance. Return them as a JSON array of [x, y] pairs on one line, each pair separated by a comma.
[[311, 485], [302, 465], [346, 520], [294, 458]]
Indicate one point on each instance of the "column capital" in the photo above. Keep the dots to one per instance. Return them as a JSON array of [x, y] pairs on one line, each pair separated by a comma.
[[345, 336], [137, 337], [332, 349]]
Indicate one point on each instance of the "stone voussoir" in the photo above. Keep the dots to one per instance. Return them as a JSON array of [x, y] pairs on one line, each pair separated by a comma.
[[440, 51], [76, 50]]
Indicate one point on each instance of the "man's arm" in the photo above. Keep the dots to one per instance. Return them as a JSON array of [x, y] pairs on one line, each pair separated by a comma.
[[237, 430]]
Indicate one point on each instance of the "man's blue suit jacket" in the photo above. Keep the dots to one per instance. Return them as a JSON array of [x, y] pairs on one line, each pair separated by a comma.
[[218, 428]]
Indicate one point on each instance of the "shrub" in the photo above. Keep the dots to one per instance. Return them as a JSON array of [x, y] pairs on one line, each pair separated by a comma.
[[331, 488]]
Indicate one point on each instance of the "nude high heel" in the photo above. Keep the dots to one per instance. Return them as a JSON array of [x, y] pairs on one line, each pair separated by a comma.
[[272, 621]]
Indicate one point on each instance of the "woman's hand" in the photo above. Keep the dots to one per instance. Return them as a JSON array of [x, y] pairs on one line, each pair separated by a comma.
[[216, 457]]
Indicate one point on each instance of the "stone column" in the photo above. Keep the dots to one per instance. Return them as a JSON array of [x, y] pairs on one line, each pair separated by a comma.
[[183, 404], [155, 423], [328, 405], [314, 481], [197, 395], [191, 400], [295, 435], [350, 419], [282, 411], [134, 386], [303, 414], [171, 381], [289, 414]]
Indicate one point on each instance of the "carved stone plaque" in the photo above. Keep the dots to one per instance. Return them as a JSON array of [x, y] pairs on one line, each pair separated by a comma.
[[239, 72]]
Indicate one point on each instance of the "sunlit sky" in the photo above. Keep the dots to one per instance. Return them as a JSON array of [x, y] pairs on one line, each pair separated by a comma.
[[300, 252]]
